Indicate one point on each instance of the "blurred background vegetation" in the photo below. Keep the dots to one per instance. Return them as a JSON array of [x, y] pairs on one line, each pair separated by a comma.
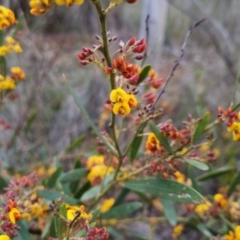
[[45, 118]]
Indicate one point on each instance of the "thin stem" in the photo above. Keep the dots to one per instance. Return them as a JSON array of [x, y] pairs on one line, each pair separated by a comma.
[[236, 81], [105, 50]]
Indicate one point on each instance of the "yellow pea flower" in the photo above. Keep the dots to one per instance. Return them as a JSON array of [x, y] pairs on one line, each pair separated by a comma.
[[203, 208], [132, 101], [74, 211], [69, 3], [121, 108], [233, 235], [220, 200], [4, 237], [4, 50], [98, 172], [14, 215], [39, 7], [235, 129], [152, 143], [118, 95], [179, 177], [107, 205], [95, 160], [7, 17], [177, 231], [17, 73], [6, 84]]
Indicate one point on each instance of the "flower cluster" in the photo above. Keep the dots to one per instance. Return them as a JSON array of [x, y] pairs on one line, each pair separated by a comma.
[[232, 120], [107, 205], [6, 83], [7, 17], [78, 212], [9, 82], [40, 7], [233, 235], [128, 70], [154, 81], [177, 231], [98, 169], [11, 45], [122, 101], [152, 143]]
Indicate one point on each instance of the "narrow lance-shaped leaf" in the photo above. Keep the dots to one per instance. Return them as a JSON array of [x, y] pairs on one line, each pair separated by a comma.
[[165, 188], [137, 143], [215, 173], [122, 210], [201, 125], [192, 176], [73, 175], [75, 144], [53, 179], [53, 195], [89, 120], [169, 211], [235, 181], [163, 140], [144, 73], [200, 165]]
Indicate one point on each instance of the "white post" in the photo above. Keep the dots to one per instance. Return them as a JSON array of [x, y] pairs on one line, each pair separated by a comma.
[[156, 13]]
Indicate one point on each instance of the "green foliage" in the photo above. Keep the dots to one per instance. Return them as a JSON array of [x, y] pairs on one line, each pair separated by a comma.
[[163, 140], [164, 188]]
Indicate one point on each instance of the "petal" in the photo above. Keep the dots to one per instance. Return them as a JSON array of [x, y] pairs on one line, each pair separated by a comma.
[[79, 2], [4, 237], [60, 2]]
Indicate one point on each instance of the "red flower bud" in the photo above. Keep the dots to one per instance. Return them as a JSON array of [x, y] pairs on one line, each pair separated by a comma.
[[131, 41]]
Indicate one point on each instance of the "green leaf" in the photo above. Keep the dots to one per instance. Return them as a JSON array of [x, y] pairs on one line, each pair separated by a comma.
[[23, 233], [163, 141], [120, 198], [30, 121], [137, 143], [169, 211], [47, 226], [114, 233], [91, 193], [203, 229], [18, 26], [234, 182], [192, 176], [94, 191], [200, 165], [53, 195], [1, 37], [49, 194], [122, 210], [89, 120], [66, 187], [215, 173], [3, 66], [73, 175], [79, 192], [144, 73], [201, 125], [53, 179], [165, 188], [3, 184], [75, 144]]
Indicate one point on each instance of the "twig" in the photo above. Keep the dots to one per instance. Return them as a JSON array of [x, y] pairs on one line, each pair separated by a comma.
[[178, 60], [147, 38]]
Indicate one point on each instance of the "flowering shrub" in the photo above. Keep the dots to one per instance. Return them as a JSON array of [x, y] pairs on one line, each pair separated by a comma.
[[139, 154]]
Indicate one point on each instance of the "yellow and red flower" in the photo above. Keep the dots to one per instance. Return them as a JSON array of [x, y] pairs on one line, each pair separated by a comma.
[[7, 17]]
